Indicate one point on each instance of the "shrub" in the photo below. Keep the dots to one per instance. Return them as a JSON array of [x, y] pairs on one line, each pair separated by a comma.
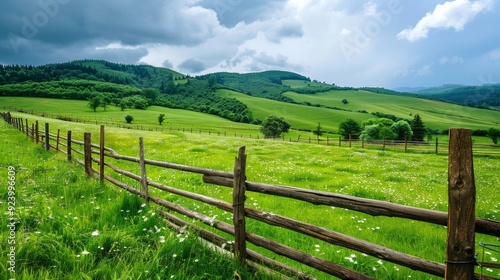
[[129, 118]]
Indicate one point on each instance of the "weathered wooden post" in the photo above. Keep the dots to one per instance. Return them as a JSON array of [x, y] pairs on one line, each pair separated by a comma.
[[406, 144], [340, 141], [32, 131], [350, 141], [47, 136], [27, 129], [240, 250], [101, 155], [87, 148], [460, 245], [437, 145], [144, 178], [57, 139], [384, 144], [363, 143], [37, 135], [68, 145]]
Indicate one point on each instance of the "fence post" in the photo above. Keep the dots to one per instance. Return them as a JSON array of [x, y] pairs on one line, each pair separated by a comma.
[[32, 131], [101, 155], [437, 145], [340, 141], [363, 143], [239, 207], [57, 139], [37, 133], [350, 141], [68, 145], [87, 146], [27, 129], [460, 242], [47, 145], [144, 178], [406, 144], [384, 144]]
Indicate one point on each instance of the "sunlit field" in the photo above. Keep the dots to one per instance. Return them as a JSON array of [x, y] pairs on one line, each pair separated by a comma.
[[410, 179]]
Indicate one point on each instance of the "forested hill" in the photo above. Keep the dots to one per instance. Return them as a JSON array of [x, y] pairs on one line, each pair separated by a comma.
[[485, 96], [142, 85]]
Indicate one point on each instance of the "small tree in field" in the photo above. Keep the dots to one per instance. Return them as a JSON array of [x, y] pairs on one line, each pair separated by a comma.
[[95, 102], [494, 133], [161, 118], [274, 127], [129, 118], [318, 131], [349, 127], [402, 130], [418, 128]]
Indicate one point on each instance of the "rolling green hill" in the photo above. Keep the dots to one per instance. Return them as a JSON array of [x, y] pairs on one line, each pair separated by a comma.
[[243, 98], [435, 114]]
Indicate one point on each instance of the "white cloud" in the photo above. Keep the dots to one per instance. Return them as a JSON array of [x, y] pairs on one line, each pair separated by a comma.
[[452, 14], [494, 55], [452, 60]]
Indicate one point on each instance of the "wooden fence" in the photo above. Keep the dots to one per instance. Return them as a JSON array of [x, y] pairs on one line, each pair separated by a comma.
[[434, 146], [460, 218]]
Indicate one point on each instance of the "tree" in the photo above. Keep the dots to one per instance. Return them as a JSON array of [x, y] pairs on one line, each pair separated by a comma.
[[274, 126], [349, 127], [402, 130], [123, 105], [318, 131], [129, 118], [418, 128], [95, 102], [344, 101], [494, 133], [161, 118]]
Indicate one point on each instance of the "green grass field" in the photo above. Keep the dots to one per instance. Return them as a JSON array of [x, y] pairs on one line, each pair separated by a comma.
[[72, 227], [410, 179], [436, 115]]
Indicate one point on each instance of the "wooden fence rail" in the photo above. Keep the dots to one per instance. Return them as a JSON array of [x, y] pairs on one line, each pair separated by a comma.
[[460, 218]]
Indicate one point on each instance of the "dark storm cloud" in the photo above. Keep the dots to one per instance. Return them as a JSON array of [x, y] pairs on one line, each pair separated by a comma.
[[231, 12], [192, 65], [25, 25]]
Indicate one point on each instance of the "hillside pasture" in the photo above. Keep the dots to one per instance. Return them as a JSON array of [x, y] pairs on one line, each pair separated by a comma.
[[410, 179], [299, 116], [435, 114], [174, 118]]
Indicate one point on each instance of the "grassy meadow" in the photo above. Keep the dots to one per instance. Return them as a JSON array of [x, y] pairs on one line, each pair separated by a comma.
[[57, 202]]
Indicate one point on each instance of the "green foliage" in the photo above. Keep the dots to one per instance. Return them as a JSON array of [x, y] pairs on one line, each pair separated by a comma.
[[349, 127], [94, 102], [129, 118], [265, 84], [383, 122], [274, 126], [318, 131], [494, 133], [161, 118], [402, 130], [344, 101], [483, 96], [418, 128]]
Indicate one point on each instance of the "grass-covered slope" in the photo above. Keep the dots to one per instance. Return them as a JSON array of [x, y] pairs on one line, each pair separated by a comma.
[[71, 227], [435, 114], [413, 179]]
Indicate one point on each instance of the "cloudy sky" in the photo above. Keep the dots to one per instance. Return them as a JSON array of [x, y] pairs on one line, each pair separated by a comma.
[[386, 43]]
